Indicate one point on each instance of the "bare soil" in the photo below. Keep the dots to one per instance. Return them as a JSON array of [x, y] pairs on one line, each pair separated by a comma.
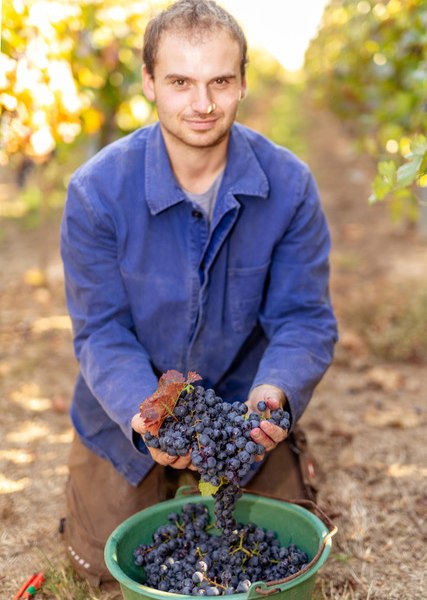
[[366, 423]]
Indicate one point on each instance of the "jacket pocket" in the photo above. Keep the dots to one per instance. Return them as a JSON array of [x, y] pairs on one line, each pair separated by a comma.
[[246, 292]]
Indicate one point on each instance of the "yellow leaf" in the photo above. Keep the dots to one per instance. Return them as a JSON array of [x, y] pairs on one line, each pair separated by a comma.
[[92, 120], [207, 489]]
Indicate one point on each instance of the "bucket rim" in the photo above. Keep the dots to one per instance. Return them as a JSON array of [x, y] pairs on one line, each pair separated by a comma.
[[110, 550]]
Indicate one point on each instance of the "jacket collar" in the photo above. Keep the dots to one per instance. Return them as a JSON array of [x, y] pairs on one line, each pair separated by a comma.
[[243, 174]]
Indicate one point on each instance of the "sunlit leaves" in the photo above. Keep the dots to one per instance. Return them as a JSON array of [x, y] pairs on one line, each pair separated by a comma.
[[46, 100], [92, 120], [385, 181], [390, 179], [369, 64], [133, 112], [409, 171], [68, 68]]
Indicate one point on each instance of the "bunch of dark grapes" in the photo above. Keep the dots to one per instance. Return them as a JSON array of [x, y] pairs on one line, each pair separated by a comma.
[[217, 435], [184, 558]]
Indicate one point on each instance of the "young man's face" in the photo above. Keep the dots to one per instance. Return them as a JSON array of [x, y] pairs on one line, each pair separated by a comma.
[[197, 86]]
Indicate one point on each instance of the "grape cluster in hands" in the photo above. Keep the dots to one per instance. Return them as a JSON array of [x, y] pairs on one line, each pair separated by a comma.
[[217, 435], [185, 558]]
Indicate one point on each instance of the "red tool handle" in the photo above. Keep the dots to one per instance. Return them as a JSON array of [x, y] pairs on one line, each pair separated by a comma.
[[35, 581]]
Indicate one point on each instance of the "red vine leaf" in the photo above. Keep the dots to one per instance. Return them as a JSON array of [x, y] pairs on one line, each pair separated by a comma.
[[161, 403], [192, 376]]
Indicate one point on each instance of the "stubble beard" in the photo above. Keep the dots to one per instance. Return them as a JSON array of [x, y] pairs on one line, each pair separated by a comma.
[[196, 139], [181, 137]]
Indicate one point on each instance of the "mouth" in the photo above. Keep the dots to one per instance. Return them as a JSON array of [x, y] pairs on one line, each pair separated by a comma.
[[201, 124]]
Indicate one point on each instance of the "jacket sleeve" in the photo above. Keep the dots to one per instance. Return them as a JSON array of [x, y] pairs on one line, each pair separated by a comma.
[[297, 315], [113, 363]]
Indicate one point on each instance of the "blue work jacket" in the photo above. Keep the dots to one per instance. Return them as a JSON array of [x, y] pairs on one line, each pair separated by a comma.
[[151, 285]]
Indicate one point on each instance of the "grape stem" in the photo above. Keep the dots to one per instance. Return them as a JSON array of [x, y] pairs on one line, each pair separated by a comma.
[[169, 411], [241, 547], [213, 582]]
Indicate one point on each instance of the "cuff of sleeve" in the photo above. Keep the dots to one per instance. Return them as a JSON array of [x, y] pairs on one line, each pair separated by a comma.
[[138, 443]]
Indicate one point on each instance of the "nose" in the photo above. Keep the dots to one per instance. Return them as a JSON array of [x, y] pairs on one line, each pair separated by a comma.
[[202, 102]]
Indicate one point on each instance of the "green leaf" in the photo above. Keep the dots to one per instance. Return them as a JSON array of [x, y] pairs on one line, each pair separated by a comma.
[[387, 170], [384, 182], [379, 189], [419, 145], [423, 165], [207, 489], [407, 173]]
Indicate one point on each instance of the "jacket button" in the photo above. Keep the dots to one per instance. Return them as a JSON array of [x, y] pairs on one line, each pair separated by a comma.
[[197, 214]]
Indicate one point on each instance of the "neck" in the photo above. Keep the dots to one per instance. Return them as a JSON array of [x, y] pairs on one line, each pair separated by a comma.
[[196, 168]]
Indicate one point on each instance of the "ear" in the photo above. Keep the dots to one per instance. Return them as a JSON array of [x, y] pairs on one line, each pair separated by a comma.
[[243, 89], [148, 84]]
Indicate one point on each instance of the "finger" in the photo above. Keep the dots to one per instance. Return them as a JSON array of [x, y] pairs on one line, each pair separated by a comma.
[[177, 462], [137, 424], [180, 462], [253, 404], [162, 458], [260, 437], [274, 432], [273, 402], [268, 435]]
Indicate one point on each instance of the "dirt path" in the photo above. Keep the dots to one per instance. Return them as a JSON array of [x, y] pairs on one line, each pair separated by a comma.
[[367, 422]]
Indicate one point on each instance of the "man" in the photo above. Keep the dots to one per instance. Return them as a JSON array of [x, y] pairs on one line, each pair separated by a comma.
[[192, 244]]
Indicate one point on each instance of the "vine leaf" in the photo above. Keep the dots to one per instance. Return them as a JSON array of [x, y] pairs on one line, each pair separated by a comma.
[[207, 489], [161, 403]]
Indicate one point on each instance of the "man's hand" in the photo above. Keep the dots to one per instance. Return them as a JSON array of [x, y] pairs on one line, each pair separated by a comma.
[[267, 434], [163, 458]]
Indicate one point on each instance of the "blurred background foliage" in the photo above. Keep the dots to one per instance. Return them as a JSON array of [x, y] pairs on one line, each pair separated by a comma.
[[69, 69], [368, 64], [70, 83]]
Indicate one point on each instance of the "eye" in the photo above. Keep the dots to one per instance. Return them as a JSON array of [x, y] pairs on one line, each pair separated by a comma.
[[221, 81], [179, 82]]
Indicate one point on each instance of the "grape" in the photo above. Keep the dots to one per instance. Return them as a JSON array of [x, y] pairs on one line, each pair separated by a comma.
[[240, 442], [217, 435], [202, 566], [243, 586], [202, 563], [251, 447]]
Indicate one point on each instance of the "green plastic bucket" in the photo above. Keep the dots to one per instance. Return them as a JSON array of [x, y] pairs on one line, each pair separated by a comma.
[[293, 524]]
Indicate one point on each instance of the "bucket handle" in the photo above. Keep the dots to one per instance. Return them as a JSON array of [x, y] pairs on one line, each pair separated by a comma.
[[267, 588], [186, 490]]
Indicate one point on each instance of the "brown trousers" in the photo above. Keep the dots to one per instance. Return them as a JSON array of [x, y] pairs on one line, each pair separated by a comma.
[[99, 498]]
